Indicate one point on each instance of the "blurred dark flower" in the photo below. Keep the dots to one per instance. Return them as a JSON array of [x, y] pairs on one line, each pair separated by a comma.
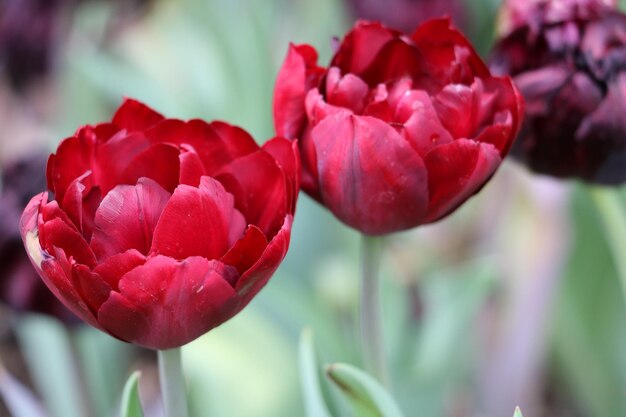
[[32, 30], [20, 286], [406, 15], [29, 30], [568, 59]]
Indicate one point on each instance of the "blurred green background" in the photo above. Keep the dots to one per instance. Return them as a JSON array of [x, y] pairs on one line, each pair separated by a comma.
[[512, 300]]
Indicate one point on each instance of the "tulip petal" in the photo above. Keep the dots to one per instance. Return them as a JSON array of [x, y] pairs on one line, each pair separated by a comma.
[[396, 60], [298, 74], [159, 162], [257, 276], [456, 171], [80, 203], [199, 221], [361, 45], [286, 155], [247, 250], [215, 143], [167, 303], [191, 167], [115, 156], [127, 217], [133, 116], [49, 268], [73, 159], [369, 175], [116, 266], [90, 286], [260, 190], [347, 91], [422, 127], [449, 55]]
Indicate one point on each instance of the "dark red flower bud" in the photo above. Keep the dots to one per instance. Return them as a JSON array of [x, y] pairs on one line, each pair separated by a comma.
[[161, 229], [570, 67], [20, 287], [399, 130]]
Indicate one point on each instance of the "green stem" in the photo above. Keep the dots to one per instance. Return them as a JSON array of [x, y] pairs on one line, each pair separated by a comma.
[[613, 214], [372, 341], [172, 383]]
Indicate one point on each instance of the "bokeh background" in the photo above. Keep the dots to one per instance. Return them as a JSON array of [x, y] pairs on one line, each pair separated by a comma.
[[512, 300]]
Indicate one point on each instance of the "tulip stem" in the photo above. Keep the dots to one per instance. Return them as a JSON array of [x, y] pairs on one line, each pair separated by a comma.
[[613, 213], [372, 340], [172, 383]]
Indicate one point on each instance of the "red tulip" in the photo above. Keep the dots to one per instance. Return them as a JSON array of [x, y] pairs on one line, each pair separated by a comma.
[[161, 229], [399, 130]]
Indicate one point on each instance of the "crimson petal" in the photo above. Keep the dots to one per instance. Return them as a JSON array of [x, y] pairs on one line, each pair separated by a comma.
[[456, 171], [361, 45], [297, 75], [51, 271], [127, 217], [167, 303], [133, 116], [257, 276], [247, 250], [199, 221], [260, 189], [373, 191]]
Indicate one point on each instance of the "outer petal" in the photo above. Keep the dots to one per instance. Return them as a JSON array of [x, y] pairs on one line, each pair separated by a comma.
[[455, 172], [298, 74], [159, 162], [167, 303], [127, 217], [199, 221], [370, 177], [49, 268], [286, 155], [73, 159], [257, 276], [396, 60], [247, 250], [133, 116], [114, 157], [116, 266], [451, 57], [260, 190], [361, 45], [216, 144]]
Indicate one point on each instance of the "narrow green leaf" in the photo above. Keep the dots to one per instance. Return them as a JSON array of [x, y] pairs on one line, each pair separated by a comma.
[[131, 406], [309, 377], [518, 412], [366, 395]]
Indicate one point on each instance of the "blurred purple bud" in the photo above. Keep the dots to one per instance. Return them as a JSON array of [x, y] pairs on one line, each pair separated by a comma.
[[568, 58], [20, 286]]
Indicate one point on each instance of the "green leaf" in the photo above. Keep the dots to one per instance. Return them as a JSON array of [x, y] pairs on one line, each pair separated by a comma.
[[518, 412], [131, 406], [309, 377], [366, 395]]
